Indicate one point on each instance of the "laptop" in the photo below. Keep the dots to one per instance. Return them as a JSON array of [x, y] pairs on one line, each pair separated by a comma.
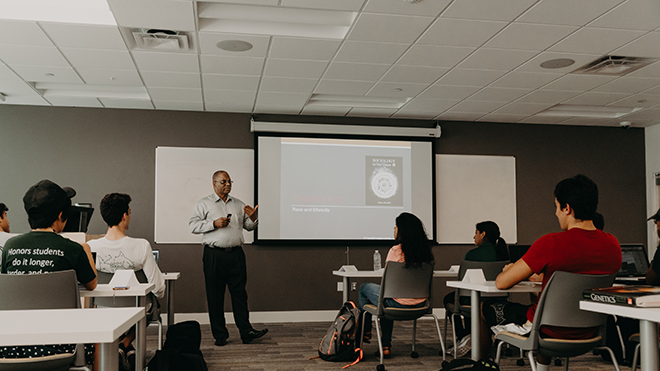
[[634, 264], [156, 256]]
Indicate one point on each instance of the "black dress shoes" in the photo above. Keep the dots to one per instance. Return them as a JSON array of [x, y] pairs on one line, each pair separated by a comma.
[[221, 342], [254, 334]]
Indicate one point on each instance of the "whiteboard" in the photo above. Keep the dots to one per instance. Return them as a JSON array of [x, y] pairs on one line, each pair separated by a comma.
[[473, 189], [183, 177]]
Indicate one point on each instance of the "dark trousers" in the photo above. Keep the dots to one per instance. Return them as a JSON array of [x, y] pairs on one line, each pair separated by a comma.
[[226, 268]]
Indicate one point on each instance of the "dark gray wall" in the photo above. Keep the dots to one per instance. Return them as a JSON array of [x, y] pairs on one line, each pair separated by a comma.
[[98, 151]]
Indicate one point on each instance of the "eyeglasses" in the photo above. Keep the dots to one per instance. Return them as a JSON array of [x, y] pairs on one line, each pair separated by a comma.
[[223, 182]]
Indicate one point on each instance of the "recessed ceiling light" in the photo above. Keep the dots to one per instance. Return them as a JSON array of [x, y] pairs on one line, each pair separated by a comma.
[[557, 63], [234, 45], [572, 110]]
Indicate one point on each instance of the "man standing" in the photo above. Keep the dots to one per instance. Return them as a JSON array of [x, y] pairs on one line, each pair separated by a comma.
[[221, 219], [653, 274], [4, 228], [580, 248]]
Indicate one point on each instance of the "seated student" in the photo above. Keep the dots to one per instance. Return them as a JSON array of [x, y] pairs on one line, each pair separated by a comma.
[[4, 228], [118, 251], [490, 248], [653, 274], [414, 248], [47, 206], [580, 248]]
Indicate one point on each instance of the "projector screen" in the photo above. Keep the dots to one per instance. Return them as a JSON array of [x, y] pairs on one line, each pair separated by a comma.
[[341, 189]]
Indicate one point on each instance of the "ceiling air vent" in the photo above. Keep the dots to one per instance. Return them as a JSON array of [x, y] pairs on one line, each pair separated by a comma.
[[613, 65], [154, 39]]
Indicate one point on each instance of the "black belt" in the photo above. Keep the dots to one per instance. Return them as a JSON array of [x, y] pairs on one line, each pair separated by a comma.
[[226, 249]]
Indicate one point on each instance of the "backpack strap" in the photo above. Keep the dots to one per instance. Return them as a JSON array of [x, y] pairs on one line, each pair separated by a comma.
[[357, 350]]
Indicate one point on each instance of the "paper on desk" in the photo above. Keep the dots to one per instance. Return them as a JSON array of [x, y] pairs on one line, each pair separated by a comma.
[[512, 327], [474, 276], [124, 278], [348, 268]]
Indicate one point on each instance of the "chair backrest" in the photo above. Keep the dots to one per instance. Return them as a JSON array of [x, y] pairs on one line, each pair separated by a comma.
[[559, 304], [55, 290], [401, 282], [490, 269]]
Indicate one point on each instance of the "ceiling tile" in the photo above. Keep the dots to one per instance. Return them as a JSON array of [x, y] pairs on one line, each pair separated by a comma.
[[647, 114], [595, 40], [171, 79], [578, 82], [458, 116], [294, 68], [490, 94], [179, 105], [23, 33], [595, 98], [166, 62], [502, 117], [126, 103], [388, 28], [299, 48], [460, 32], [228, 107], [645, 46], [548, 96], [424, 8], [84, 36], [287, 85], [371, 112], [25, 99], [356, 71], [348, 5], [429, 105], [447, 92], [161, 14], [414, 74], [435, 56], [343, 87], [470, 77], [527, 80], [110, 59], [230, 97], [74, 102], [48, 74], [367, 52], [325, 111], [8, 75], [102, 76], [278, 109], [567, 12], [208, 44], [630, 85], [230, 82], [11, 88], [521, 108], [282, 99], [232, 65], [488, 10], [548, 120], [534, 64], [632, 15], [175, 94], [496, 59], [652, 70], [529, 36], [32, 56], [638, 100], [396, 89]]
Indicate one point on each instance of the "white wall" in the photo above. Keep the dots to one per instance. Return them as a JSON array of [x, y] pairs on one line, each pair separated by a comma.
[[652, 139]]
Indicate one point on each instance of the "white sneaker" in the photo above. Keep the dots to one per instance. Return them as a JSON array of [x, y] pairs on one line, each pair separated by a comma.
[[464, 346]]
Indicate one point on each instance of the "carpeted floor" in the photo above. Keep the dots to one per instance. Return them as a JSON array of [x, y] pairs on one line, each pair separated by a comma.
[[288, 346]]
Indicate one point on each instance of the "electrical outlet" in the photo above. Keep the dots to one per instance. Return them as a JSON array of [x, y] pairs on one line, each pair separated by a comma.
[[353, 286], [340, 286]]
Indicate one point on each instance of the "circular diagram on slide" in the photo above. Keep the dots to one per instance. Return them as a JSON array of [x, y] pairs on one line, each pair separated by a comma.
[[384, 184]]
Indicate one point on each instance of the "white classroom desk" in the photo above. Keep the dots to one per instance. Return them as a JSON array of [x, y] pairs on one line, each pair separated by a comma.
[[140, 293], [476, 288], [70, 326], [450, 273], [169, 291], [648, 332]]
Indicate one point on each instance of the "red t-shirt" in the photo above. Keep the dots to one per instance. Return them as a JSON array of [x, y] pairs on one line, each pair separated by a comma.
[[575, 250]]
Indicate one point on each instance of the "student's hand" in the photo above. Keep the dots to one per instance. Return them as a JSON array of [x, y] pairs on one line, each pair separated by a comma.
[[251, 212], [506, 267], [221, 222], [536, 277]]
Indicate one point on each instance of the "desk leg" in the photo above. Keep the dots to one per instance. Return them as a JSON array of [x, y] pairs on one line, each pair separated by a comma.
[[347, 288], [475, 321], [141, 337], [648, 337], [170, 302], [108, 360]]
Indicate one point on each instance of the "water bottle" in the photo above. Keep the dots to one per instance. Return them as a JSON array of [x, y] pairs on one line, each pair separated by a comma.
[[376, 260]]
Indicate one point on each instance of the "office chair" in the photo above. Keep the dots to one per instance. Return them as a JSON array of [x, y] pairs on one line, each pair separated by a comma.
[[56, 290], [559, 306], [152, 318], [491, 270], [401, 282]]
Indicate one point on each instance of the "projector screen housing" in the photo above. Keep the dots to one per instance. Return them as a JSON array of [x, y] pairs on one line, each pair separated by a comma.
[[341, 189]]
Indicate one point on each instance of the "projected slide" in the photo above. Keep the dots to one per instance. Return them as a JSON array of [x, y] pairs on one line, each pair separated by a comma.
[[311, 188]]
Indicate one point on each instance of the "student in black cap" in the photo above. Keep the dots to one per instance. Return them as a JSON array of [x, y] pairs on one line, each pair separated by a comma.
[[653, 274]]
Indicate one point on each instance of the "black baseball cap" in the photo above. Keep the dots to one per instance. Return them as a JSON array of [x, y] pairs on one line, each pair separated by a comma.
[[47, 197], [655, 216]]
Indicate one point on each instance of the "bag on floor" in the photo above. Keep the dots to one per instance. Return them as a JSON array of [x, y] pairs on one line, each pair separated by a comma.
[[341, 342], [181, 351], [465, 364]]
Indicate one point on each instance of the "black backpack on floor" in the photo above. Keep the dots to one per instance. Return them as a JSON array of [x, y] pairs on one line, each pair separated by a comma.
[[181, 351], [341, 342]]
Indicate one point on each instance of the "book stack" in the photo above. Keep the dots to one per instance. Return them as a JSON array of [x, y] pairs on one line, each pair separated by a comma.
[[634, 295]]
